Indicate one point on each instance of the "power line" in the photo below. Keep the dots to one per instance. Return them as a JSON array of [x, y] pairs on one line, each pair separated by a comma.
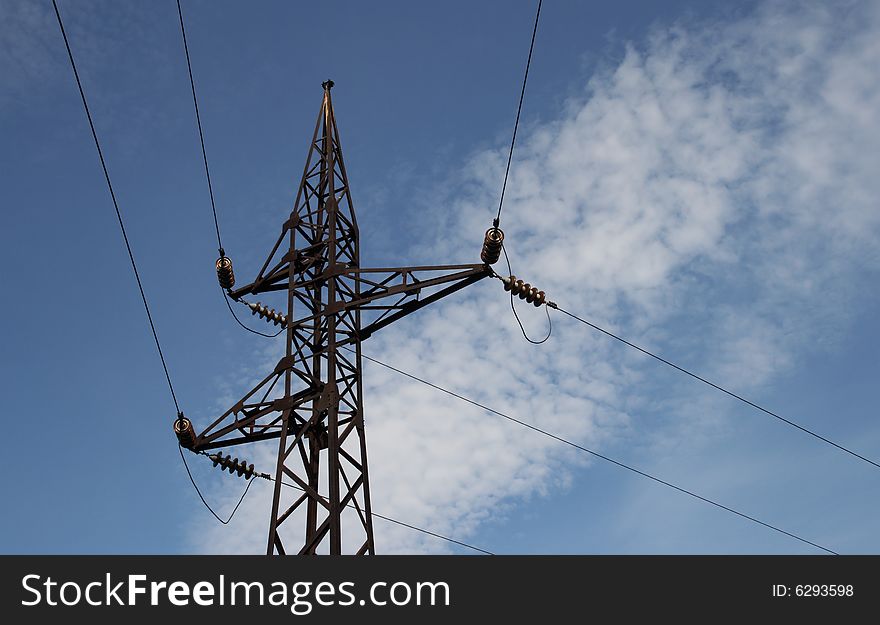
[[349, 505], [201, 135], [134, 265], [430, 533], [644, 351], [518, 111], [115, 205], [598, 455], [750, 403], [516, 315], [720, 388], [192, 84], [234, 316], [401, 523], [210, 509]]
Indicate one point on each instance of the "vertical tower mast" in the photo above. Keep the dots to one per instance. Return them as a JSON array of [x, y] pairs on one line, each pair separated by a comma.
[[325, 220]]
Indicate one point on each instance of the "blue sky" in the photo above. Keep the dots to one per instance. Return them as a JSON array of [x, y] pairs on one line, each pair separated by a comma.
[[698, 177]]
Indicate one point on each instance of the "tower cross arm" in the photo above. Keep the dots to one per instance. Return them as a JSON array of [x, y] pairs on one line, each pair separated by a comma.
[[386, 294], [400, 291]]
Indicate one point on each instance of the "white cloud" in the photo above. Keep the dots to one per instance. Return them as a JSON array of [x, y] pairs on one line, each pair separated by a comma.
[[712, 195]]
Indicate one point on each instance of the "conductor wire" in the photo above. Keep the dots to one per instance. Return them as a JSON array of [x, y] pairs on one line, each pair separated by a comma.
[[522, 96], [513, 308], [137, 275]]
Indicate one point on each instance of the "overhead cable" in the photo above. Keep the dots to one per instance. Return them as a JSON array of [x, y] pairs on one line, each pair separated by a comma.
[[599, 455], [720, 388], [255, 474], [192, 83], [522, 96], [412, 527], [116, 206]]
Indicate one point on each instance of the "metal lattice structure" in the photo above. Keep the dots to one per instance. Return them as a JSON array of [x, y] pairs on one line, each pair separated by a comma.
[[333, 304]]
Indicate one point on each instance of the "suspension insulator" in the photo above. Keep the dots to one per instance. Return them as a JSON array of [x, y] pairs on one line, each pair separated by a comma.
[[524, 290], [185, 434], [269, 314], [492, 246], [224, 272], [233, 465]]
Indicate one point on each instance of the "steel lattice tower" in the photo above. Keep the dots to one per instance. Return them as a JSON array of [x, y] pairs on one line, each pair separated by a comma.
[[319, 418]]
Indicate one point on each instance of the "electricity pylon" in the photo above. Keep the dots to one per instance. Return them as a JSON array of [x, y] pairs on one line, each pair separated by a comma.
[[319, 419]]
